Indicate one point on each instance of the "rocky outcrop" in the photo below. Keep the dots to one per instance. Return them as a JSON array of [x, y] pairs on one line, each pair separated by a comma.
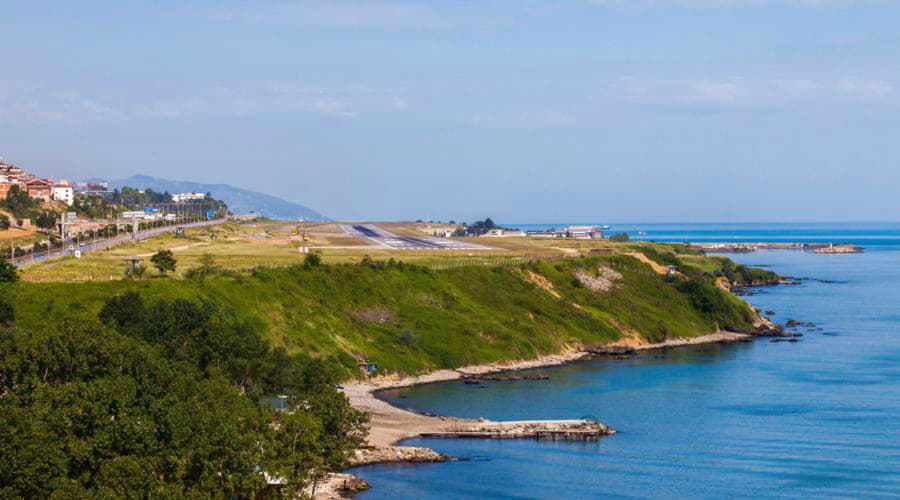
[[336, 485], [397, 454], [602, 282], [611, 350], [839, 249]]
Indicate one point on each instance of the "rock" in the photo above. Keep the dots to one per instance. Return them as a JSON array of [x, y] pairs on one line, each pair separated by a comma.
[[397, 454], [613, 350]]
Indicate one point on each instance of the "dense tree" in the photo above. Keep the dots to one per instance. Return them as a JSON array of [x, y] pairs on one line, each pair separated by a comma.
[[163, 261], [45, 220], [164, 399], [9, 275], [8, 272], [619, 237], [18, 202], [4, 222]]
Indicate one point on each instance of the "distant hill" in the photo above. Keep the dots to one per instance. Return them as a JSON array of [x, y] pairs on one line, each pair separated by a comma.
[[240, 201]]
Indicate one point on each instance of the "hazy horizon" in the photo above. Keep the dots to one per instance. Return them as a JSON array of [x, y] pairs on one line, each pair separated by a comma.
[[594, 110]]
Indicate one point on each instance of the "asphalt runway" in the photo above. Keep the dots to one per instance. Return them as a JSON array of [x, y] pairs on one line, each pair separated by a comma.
[[387, 239]]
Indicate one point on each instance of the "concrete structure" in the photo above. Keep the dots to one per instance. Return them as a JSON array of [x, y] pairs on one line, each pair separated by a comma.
[[183, 197], [63, 192], [584, 232]]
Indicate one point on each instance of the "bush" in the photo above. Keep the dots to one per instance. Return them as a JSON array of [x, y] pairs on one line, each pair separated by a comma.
[[407, 338], [8, 272], [312, 260], [206, 268], [619, 237]]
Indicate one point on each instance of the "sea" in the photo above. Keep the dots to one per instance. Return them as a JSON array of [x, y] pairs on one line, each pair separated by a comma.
[[819, 418]]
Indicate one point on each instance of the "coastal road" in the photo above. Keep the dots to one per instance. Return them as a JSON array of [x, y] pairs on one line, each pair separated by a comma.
[[389, 240], [103, 243]]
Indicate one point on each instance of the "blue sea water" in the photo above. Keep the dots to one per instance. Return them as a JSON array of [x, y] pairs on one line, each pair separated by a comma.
[[864, 234], [819, 418]]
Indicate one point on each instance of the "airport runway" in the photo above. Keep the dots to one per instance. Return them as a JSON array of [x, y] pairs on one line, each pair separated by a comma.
[[387, 239]]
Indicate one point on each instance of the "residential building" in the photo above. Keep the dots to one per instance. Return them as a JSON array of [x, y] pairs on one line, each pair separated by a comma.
[[183, 197], [39, 189], [63, 192]]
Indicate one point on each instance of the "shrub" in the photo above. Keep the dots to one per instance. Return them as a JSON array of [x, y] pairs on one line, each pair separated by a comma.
[[312, 260], [619, 237], [407, 338]]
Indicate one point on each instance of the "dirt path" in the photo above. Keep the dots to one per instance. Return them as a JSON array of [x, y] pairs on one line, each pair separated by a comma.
[[658, 268], [176, 249]]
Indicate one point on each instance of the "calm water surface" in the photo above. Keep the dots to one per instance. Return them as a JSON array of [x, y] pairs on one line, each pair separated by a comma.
[[816, 418]]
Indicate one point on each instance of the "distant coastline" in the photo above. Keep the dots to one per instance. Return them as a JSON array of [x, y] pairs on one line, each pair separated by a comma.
[[822, 248]]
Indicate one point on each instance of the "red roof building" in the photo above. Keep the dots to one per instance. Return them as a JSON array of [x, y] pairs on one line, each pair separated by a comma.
[[40, 189]]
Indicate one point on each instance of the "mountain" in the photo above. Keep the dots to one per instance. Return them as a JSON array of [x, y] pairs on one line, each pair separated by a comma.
[[240, 201]]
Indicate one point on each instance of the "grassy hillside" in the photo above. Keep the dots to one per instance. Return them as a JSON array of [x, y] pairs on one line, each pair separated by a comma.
[[410, 319]]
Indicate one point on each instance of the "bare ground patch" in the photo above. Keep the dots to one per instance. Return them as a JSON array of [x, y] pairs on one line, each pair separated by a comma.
[[657, 267], [542, 283], [377, 314]]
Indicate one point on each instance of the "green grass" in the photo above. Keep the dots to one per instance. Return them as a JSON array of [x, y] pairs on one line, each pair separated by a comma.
[[438, 319]]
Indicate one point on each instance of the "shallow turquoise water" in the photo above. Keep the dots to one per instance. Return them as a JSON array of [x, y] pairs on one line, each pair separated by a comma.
[[817, 418]]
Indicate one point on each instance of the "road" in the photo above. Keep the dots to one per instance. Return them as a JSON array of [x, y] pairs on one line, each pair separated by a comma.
[[383, 238], [104, 243]]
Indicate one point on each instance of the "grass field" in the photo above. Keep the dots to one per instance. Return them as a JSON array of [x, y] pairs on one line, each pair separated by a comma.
[[244, 247]]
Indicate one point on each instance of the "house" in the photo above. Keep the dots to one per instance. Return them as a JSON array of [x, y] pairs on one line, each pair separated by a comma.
[[39, 189], [5, 186], [584, 232], [183, 197], [63, 192]]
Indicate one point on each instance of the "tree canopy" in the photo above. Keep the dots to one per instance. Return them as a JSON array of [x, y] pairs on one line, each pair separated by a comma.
[[163, 261], [164, 399]]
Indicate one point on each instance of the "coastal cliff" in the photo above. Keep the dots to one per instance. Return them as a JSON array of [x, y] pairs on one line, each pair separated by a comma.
[[394, 318]]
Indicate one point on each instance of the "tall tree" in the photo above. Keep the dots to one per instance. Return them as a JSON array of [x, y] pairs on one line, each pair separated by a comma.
[[163, 261]]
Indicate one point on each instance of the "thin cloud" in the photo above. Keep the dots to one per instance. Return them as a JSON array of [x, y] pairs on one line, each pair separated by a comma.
[[725, 4], [24, 101], [357, 14], [741, 91]]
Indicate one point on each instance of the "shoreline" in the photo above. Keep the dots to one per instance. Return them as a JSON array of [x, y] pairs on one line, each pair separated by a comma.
[[390, 424], [750, 247]]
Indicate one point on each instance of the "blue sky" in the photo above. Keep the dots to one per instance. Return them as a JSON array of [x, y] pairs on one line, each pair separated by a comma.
[[531, 111]]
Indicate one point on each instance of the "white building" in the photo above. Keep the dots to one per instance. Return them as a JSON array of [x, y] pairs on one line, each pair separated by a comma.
[[183, 197], [584, 232], [63, 192]]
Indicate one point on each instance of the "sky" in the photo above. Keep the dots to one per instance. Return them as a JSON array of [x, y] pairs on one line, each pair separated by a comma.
[[536, 111]]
